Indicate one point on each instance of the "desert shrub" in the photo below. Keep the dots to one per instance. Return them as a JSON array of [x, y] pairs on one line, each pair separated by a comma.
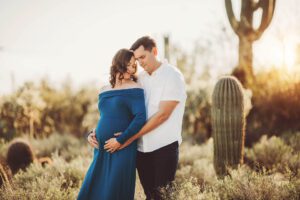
[[274, 154], [241, 183], [276, 105], [292, 139], [191, 153], [195, 177], [196, 119], [3, 148], [5, 173], [61, 180], [66, 145], [187, 189], [247, 184], [39, 110], [196, 161]]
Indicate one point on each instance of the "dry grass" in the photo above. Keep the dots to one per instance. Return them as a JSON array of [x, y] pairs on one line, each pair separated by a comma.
[[195, 178]]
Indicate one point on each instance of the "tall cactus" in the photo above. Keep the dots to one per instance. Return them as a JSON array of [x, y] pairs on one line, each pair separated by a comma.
[[228, 124], [247, 33], [167, 47]]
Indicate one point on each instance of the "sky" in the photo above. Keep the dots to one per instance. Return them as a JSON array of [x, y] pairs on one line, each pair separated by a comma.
[[75, 39]]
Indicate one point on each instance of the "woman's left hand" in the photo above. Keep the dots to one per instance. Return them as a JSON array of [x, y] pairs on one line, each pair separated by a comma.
[[112, 145]]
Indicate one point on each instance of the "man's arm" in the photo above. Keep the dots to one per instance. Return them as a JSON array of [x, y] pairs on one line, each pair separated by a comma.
[[165, 110]]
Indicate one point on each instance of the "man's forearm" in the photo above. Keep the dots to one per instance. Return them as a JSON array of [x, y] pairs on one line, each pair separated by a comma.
[[156, 120]]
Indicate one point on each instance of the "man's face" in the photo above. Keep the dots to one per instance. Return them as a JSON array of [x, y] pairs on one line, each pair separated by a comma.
[[145, 58]]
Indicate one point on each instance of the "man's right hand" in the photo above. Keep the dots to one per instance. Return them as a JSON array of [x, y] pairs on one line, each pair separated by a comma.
[[93, 140]]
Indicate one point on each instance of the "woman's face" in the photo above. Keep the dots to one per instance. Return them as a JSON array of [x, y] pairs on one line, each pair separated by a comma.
[[131, 68]]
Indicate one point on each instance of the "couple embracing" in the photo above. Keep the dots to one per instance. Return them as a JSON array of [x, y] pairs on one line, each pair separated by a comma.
[[139, 127]]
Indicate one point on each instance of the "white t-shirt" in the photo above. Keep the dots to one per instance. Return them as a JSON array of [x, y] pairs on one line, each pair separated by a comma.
[[166, 83]]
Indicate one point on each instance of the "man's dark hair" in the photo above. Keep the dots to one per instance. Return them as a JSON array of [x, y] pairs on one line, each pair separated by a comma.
[[147, 42]]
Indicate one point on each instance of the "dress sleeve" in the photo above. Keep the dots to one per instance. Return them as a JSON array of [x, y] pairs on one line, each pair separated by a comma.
[[137, 106]]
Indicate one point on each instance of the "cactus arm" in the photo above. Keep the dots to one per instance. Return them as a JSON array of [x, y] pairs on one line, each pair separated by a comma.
[[268, 12], [268, 7], [232, 19], [247, 16]]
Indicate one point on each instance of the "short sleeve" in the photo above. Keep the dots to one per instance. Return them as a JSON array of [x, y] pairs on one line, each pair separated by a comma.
[[174, 89]]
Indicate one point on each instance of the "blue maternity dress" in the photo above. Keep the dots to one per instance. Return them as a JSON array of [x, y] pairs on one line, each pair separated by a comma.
[[112, 176]]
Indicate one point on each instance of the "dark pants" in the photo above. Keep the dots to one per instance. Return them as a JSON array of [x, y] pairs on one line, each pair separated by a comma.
[[157, 169]]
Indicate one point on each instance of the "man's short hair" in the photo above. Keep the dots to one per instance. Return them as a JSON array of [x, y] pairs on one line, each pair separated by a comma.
[[147, 42]]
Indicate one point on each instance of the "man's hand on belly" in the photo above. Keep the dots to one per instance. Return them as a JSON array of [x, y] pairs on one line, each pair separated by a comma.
[[92, 140]]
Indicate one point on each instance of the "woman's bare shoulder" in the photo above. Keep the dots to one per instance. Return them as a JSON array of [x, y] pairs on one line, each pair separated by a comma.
[[136, 85]]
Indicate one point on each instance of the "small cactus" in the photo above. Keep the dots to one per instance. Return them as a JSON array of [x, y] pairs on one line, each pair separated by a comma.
[[19, 155], [228, 123]]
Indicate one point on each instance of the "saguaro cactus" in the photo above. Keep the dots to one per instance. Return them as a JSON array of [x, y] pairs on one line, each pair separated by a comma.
[[246, 32], [228, 124], [167, 47]]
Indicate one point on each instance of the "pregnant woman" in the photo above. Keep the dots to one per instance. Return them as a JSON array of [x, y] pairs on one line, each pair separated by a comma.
[[122, 109]]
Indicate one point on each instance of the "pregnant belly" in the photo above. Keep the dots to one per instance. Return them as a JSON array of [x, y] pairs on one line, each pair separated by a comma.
[[107, 127]]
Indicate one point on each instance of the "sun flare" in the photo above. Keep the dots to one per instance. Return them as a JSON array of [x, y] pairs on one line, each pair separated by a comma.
[[276, 53]]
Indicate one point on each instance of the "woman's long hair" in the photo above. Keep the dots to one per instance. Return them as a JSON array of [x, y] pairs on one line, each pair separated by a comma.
[[119, 65]]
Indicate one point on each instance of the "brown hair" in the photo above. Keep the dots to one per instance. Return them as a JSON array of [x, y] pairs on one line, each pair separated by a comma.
[[119, 65], [147, 42]]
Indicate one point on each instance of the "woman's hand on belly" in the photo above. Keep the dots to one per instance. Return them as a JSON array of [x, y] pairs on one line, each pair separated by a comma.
[[127, 143], [111, 145]]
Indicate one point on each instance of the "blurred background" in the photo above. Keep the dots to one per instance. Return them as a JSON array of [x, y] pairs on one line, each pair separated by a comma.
[[55, 56]]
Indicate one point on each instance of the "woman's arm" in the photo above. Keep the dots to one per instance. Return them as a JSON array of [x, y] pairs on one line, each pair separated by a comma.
[[137, 106]]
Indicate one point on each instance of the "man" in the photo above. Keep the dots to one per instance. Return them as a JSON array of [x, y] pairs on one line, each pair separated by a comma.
[[165, 97]]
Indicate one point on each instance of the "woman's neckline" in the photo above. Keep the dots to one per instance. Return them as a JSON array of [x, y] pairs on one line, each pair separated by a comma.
[[114, 90]]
